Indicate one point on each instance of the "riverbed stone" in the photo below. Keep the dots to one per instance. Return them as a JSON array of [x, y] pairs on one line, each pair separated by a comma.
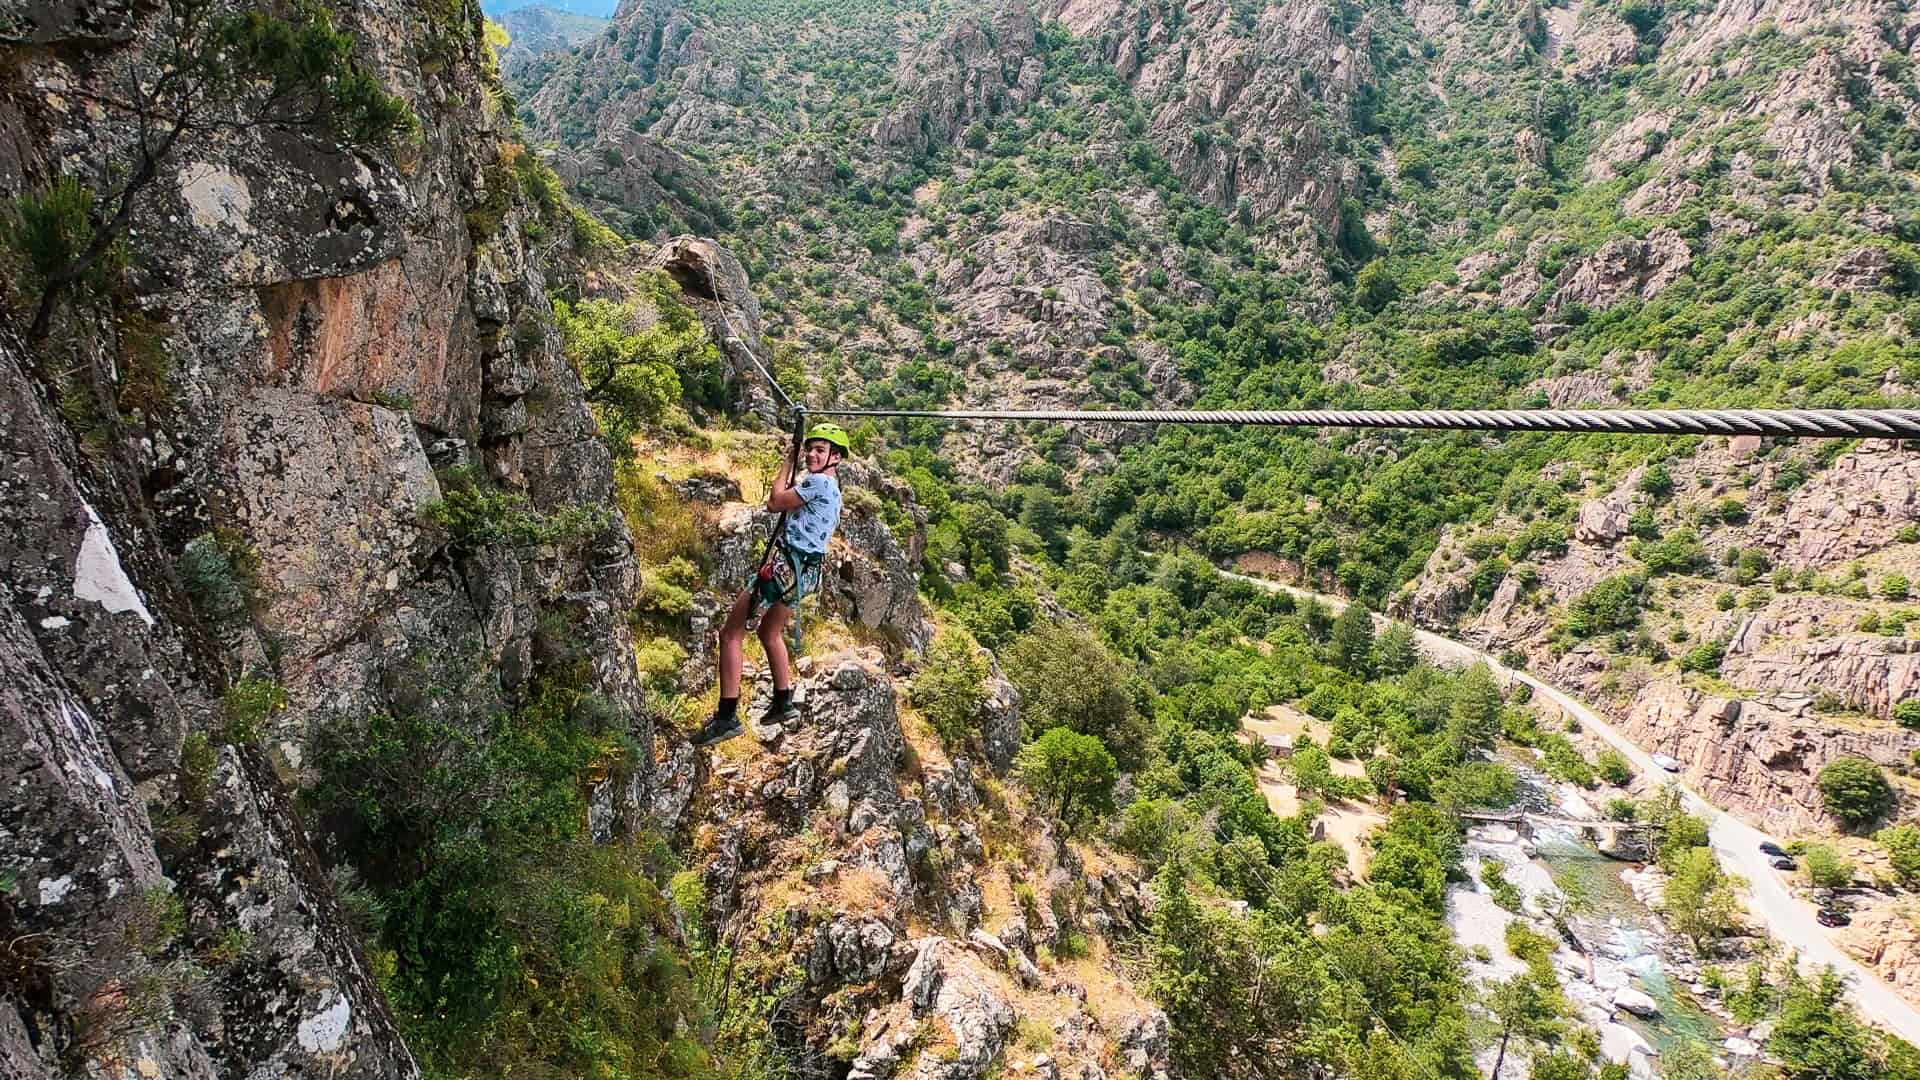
[[1637, 1002]]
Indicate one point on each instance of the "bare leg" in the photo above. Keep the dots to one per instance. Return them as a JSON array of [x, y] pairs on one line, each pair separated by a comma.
[[732, 634], [773, 627]]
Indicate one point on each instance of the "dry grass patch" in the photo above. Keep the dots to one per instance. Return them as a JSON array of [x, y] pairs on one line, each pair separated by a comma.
[[859, 890]]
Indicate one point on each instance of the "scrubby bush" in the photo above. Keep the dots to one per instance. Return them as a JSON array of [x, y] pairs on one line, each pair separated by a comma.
[[1903, 851], [1855, 791], [951, 686], [1825, 868], [1704, 658], [493, 902], [1613, 768], [1613, 604]]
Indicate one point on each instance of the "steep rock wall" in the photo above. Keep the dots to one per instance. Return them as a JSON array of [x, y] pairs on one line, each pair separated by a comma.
[[327, 330]]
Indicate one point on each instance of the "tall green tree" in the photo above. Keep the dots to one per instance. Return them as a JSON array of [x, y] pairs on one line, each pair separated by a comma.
[[1395, 653], [1072, 770], [1526, 1008], [1817, 1037], [1700, 902], [1475, 721], [1067, 678], [1353, 640]]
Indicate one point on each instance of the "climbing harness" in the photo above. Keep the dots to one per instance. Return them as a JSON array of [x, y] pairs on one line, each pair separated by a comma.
[[782, 575]]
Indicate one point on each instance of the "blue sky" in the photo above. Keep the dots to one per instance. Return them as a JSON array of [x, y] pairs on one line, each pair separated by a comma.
[[602, 8]]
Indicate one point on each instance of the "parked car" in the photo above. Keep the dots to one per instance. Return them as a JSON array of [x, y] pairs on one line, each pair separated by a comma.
[[1671, 764], [1784, 862], [1832, 917], [1768, 847]]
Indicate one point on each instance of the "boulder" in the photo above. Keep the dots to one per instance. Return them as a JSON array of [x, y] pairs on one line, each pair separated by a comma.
[[1637, 1002], [947, 984], [1601, 521]]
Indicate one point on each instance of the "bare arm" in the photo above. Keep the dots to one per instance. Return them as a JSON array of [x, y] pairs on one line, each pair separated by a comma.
[[784, 496]]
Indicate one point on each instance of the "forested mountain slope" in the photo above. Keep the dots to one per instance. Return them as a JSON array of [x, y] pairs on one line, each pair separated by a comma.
[[371, 506], [1369, 204]]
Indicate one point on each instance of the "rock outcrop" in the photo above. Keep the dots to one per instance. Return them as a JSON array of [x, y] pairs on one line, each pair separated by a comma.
[[971, 74], [887, 840], [1758, 760], [1886, 940], [1623, 269], [1231, 103], [326, 336]]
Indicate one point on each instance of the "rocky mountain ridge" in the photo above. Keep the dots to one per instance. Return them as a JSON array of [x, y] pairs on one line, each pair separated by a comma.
[[1804, 674]]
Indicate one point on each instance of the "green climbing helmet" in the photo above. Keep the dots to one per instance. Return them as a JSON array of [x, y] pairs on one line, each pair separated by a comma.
[[832, 433]]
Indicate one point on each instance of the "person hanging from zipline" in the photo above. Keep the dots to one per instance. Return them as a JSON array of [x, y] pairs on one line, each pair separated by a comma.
[[789, 571]]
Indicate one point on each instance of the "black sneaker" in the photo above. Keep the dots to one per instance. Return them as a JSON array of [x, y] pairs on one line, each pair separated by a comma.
[[717, 730], [778, 713]]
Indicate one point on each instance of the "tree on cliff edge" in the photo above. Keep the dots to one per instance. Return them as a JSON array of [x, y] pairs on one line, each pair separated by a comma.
[[205, 68]]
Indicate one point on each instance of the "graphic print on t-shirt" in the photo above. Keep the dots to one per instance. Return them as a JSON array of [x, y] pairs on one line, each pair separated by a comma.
[[810, 527]]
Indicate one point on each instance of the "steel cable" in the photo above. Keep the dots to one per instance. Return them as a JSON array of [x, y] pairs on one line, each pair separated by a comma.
[[1786, 423]]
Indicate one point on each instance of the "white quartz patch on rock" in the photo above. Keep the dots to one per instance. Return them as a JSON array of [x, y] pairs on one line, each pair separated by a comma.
[[98, 575], [326, 1031], [217, 199], [54, 890]]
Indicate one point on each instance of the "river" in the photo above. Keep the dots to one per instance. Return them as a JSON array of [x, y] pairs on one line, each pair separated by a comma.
[[1624, 946], [1788, 919]]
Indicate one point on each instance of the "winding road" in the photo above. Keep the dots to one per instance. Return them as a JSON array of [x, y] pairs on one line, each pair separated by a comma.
[[1788, 920]]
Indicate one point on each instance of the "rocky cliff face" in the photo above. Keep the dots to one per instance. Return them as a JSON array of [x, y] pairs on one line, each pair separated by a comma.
[[1235, 94], [1806, 672], [925, 915], [320, 334]]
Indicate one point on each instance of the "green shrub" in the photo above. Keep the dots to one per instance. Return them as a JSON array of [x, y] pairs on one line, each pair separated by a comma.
[[218, 570], [1505, 893], [1903, 851], [493, 903], [477, 515], [1825, 868], [1613, 604], [1656, 482], [1854, 791], [1907, 714], [1700, 902], [1613, 767], [248, 704], [50, 231], [1894, 587], [950, 688], [1564, 762], [1679, 552], [1704, 658], [198, 758]]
